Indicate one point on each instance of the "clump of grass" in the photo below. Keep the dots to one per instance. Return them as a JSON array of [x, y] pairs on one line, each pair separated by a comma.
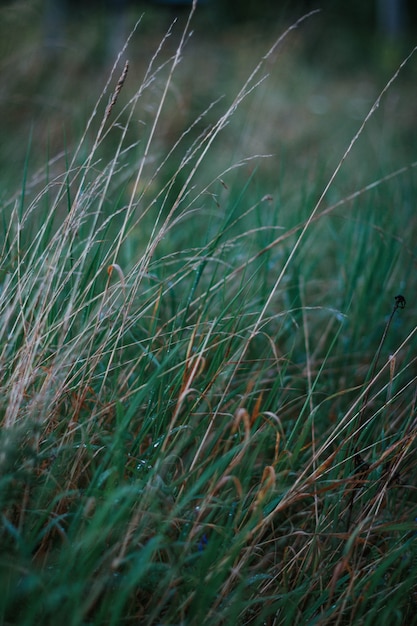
[[178, 395]]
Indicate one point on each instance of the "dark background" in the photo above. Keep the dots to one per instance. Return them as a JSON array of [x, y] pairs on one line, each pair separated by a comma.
[[393, 15]]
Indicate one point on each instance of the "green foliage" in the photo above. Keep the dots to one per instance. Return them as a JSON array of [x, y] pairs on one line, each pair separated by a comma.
[[208, 386]]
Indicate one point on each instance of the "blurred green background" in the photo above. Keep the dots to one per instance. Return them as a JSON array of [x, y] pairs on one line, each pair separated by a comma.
[[55, 58]]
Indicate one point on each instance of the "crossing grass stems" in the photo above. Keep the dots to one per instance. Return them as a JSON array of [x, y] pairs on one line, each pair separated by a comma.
[[176, 419]]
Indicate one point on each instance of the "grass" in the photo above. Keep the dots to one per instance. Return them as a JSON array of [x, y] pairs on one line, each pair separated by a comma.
[[208, 384]]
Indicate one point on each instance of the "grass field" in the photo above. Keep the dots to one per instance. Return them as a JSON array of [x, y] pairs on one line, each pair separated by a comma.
[[207, 337]]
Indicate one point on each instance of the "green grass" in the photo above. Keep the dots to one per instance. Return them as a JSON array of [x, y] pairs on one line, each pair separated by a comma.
[[192, 370]]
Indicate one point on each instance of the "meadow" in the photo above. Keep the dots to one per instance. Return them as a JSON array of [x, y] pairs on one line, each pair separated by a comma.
[[207, 332]]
